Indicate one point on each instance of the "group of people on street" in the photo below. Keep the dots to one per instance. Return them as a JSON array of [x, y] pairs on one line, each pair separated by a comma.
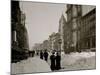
[[31, 53], [55, 61], [44, 55]]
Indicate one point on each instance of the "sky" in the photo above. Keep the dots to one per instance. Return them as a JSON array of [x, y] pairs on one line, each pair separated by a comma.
[[42, 19], [86, 9]]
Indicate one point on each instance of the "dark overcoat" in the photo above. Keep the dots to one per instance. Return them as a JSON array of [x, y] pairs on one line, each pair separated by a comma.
[[46, 56], [41, 55], [58, 60], [52, 58]]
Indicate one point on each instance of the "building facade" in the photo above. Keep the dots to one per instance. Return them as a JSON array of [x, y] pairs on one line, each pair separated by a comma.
[[55, 42], [71, 31], [88, 30], [80, 30], [19, 38], [62, 23], [51, 41]]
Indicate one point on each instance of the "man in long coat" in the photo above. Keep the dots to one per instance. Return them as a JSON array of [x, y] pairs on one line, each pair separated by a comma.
[[46, 55], [52, 58], [58, 60], [41, 55]]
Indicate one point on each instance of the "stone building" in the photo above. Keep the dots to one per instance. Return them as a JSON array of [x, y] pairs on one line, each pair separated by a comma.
[[88, 30], [23, 34], [79, 31], [55, 42], [71, 31], [19, 38], [62, 23], [67, 37], [51, 41], [15, 20]]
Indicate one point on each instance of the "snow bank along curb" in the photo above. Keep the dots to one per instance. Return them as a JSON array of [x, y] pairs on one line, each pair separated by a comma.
[[76, 61], [30, 65]]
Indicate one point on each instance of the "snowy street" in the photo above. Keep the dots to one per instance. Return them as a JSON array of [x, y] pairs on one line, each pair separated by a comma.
[[47, 37], [73, 61]]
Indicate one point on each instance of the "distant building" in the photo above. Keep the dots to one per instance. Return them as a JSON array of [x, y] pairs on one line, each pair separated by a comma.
[[51, 41], [41, 46], [62, 23], [38, 46], [45, 45], [55, 42]]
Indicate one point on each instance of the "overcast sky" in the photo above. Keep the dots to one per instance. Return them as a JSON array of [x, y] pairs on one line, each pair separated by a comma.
[[42, 19]]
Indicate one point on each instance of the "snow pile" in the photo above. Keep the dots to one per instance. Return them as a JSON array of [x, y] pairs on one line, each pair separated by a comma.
[[84, 63], [74, 61], [30, 65]]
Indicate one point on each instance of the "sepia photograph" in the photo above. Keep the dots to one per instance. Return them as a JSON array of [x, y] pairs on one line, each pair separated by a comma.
[[52, 37]]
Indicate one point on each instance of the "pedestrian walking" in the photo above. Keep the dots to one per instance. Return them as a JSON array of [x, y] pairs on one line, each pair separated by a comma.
[[33, 53], [37, 53], [46, 55], [52, 58], [41, 54], [58, 60]]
